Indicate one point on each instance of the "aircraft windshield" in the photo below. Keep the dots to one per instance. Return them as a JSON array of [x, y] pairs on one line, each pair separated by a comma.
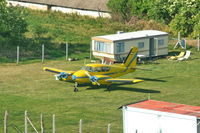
[[95, 69]]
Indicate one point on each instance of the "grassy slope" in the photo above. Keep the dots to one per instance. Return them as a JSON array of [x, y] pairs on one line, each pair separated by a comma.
[[54, 28], [27, 87]]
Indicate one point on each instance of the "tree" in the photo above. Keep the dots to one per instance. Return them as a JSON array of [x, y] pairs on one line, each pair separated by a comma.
[[121, 9], [12, 23], [125, 9]]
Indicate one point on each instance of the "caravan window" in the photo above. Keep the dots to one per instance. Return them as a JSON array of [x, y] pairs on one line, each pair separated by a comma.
[[160, 42], [141, 45], [102, 47], [105, 69], [87, 68], [120, 47]]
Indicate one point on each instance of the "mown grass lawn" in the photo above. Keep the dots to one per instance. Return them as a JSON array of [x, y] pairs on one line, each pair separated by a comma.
[[28, 87]]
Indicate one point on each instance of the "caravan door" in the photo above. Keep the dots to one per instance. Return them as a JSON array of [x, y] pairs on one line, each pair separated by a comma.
[[151, 47]]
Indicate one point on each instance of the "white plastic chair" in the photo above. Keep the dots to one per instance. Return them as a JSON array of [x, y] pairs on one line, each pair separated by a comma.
[[187, 55]]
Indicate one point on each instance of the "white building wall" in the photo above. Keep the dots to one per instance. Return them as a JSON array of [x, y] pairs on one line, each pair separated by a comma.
[[137, 120], [61, 9], [163, 50], [81, 12], [28, 5], [141, 51]]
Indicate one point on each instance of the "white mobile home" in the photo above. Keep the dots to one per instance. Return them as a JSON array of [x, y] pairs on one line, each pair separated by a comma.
[[152, 116], [116, 46]]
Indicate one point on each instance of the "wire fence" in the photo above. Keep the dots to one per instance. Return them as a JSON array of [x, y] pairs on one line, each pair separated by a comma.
[[29, 123], [43, 52]]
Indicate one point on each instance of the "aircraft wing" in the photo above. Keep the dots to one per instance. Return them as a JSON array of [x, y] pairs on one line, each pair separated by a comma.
[[134, 81], [104, 79], [54, 70]]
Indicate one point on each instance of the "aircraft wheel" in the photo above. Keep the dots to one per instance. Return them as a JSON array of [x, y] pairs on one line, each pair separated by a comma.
[[108, 87], [75, 89]]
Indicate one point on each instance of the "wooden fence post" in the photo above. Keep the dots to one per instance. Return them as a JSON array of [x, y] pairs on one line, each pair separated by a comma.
[[25, 122], [80, 126], [42, 53], [42, 125], [67, 46], [17, 54], [109, 125], [54, 127], [5, 122]]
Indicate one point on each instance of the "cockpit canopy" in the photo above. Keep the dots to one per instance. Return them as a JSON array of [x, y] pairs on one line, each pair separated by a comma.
[[96, 69]]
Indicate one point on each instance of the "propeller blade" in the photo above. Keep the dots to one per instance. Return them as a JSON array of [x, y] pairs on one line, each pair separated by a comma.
[[97, 83], [88, 74], [56, 77], [91, 77]]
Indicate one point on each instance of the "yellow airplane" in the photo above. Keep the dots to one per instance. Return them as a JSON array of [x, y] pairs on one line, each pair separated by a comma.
[[100, 74]]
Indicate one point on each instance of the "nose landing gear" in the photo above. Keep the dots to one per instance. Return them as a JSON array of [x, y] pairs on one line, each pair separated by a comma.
[[75, 87]]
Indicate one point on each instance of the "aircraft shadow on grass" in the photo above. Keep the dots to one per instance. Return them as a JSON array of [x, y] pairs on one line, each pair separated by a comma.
[[116, 87], [154, 80]]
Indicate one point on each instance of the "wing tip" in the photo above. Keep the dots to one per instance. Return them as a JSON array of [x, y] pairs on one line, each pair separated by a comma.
[[138, 81]]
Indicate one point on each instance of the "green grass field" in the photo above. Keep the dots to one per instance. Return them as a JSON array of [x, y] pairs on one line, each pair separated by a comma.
[[28, 87]]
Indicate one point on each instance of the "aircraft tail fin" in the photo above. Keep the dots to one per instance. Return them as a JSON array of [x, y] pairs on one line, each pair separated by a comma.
[[131, 58]]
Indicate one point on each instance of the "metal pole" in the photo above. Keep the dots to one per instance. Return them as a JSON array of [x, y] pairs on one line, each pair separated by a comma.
[[5, 122], [179, 40], [25, 122], [17, 54], [42, 125], [67, 51], [90, 50], [179, 36], [54, 128], [149, 96], [109, 125], [198, 43], [42, 53], [80, 126]]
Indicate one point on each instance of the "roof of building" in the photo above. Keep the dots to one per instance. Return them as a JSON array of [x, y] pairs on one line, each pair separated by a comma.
[[97, 5], [131, 35], [168, 107]]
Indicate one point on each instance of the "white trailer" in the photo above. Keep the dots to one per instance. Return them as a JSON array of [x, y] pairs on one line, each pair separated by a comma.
[[152, 116], [150, 43]]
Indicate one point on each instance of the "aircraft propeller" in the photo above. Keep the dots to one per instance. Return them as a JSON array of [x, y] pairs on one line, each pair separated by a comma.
[[62, 75], [93, 79]]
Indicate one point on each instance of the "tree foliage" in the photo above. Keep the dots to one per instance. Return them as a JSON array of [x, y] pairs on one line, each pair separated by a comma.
[[12, 23], [125, 9], [180, 15]]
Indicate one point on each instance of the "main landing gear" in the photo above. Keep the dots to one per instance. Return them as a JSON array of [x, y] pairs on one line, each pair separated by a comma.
[[75, 87], [108, 87]]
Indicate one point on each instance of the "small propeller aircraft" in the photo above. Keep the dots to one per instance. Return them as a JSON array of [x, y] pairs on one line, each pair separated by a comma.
[[100, 74]]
